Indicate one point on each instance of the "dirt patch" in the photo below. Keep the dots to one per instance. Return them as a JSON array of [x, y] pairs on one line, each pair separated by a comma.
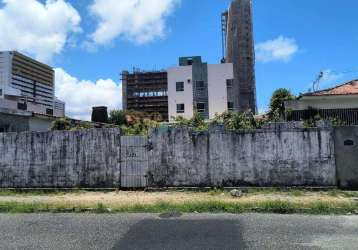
[[143, 198]]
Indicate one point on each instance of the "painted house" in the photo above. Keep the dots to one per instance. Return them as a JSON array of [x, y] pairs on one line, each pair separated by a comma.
[[339, 102]]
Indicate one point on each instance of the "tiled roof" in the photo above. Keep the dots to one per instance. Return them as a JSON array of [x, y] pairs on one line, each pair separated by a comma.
[[350, 88]]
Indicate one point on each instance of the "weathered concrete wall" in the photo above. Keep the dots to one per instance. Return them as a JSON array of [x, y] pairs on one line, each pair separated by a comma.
[[346, 145], [263, 158], [89, 158], [177, 157]]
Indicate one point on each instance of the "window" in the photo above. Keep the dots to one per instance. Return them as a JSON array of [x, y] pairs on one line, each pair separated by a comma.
[[180, 108], [200, 85], [49, 111], [230, 106], [180, 86], [21, 106], [229, 83], [200, 107]]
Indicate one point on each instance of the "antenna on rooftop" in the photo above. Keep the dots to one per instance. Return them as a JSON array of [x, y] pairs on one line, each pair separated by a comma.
[[316, 83], [325, 74]]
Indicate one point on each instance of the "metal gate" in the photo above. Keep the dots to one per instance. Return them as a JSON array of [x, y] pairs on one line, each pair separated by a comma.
[[346, 152], [134, 161]]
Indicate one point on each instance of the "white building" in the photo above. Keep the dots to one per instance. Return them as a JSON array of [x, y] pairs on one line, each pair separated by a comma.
[[28, 85], [195, 86]]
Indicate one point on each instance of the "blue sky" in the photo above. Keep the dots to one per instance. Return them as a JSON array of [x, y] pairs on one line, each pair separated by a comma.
[[295, 40]]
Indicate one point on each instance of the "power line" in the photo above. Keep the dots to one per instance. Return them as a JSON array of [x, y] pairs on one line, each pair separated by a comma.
[[322, 74]]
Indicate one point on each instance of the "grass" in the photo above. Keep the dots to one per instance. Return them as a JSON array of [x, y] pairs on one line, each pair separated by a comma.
[[255, 200], [36, 192], [280, 207], [46, 192]]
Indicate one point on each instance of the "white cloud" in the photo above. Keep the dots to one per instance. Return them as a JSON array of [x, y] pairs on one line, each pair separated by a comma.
[[81, 95], [39, 29], [279, 49], [137, 20]]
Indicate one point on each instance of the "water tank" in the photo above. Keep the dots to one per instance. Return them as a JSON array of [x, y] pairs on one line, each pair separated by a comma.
[[100, 114]]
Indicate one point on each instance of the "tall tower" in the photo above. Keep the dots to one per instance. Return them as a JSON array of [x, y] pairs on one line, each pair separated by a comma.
[[239, 50]]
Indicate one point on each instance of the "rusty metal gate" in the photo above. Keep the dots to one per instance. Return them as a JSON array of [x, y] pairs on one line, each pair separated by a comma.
[[134, 161]]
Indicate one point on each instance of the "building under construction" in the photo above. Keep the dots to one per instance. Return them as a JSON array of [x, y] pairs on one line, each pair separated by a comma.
[[238, 49], [146, 92]]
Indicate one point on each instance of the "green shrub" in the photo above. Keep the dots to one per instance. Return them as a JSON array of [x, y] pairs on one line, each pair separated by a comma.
[[197, 122], [237, 121], [61, 124]]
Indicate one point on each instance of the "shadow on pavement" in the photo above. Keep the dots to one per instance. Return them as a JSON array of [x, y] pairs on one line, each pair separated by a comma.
[[182, 234]]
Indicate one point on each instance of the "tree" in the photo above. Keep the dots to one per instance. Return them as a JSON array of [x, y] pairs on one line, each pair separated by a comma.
[[117, 117], [277, 103]]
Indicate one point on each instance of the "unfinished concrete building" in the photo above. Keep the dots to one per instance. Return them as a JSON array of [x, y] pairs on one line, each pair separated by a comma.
[[146, 92], [238, 49]]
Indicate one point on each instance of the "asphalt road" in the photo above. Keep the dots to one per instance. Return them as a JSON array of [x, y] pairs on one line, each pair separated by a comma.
[[249, 231]]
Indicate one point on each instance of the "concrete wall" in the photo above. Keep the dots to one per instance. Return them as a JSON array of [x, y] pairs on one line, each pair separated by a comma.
[[346, 145], [262, 158], [8, 104], [88, 158], [14, 123], [176, 157], [38, 124], [21, 121]]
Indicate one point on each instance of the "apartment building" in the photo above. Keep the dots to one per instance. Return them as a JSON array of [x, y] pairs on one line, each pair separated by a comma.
[[27, 94], [28, 85], [195, 86]]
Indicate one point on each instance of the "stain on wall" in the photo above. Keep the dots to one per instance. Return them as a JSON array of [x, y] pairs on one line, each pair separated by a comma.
[[89, 158], [176, 157], [298, 157]]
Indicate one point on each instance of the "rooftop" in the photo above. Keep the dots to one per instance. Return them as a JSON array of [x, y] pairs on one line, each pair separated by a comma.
[[349, 88]]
